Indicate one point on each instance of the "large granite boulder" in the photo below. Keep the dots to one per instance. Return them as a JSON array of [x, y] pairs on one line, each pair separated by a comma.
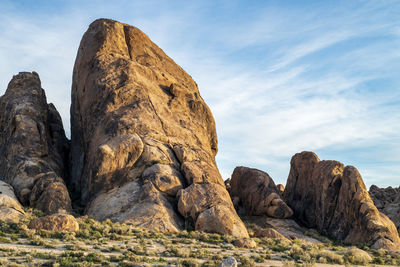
[[33, 146], [254, 192], [332, 198], [387, 200], [10, 208], [141, 133]]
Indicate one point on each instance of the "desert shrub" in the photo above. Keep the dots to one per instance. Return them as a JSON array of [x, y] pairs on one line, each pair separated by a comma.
[[357, 256], [4, 239], [190, 263], [287, 263], [296, 252], [258, 258], [43, 255], [199, 253], [278, 245], [330, 257], [246, 261], [177, 252]]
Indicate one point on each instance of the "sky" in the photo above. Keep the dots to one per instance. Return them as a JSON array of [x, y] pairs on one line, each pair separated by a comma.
[[280, 77]]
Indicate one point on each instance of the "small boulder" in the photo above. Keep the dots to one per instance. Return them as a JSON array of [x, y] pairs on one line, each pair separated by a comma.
[[58, 222], [257, 193], [10, 208], [228, 262]]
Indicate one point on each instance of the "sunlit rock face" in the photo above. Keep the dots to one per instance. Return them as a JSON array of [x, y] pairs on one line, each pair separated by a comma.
[[142, 136], [33, 147], [10, 208], [332, 198]]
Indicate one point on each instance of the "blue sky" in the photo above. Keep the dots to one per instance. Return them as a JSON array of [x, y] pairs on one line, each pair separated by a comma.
[[280, 76]]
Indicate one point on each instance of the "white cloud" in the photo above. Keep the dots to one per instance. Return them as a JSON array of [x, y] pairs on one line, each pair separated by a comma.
[[278, 80]]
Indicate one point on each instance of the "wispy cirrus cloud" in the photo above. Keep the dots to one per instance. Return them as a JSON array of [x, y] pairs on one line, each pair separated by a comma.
[[279, 78]]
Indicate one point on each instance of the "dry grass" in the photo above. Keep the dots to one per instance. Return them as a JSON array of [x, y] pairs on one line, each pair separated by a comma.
[[106, 243]]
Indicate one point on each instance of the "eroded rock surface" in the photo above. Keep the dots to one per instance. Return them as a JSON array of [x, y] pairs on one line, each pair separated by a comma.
[[332, 198], [387, 200], [33, 146], [142, 136], [10, 208], [58, 222], [255, 192]]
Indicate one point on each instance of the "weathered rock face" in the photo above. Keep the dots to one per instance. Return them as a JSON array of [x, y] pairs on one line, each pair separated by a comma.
[[141, 133], [332, 198], [257, 193], [387, 200], [10, 208], [33, 146], [58, 222]]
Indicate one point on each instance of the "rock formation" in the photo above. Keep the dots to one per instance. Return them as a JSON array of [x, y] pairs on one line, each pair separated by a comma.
[[387, 200], [33, 145], [10, 208], [257, 194], [57, 222], [143, 139], [332, 198]]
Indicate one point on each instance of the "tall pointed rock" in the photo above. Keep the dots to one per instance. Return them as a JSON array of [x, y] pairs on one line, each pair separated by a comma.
[[33, 147], [143, 138]]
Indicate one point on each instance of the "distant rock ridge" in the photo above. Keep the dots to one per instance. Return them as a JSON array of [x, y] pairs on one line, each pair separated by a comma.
[[33, 146], [333, 199], [387, 200], [143, 139]]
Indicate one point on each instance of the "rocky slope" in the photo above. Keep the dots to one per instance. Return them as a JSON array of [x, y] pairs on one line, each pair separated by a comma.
[[332, 198], [143, 139], [33, 146], [387, 200]]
